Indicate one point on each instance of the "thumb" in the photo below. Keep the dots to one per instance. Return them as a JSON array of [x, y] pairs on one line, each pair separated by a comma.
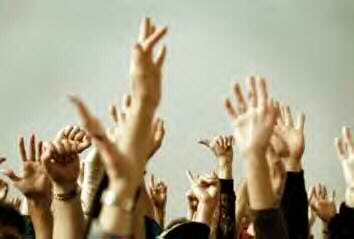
[[204, 142]]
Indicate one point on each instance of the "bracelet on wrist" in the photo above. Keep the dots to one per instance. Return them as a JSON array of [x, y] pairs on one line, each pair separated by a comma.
[[66, 196]]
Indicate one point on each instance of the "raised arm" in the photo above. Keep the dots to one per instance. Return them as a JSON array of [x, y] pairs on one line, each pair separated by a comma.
[[158, 194], [221, 147], [126, 153], [294, 201], [62, 164], [253, 123], [35, 185]]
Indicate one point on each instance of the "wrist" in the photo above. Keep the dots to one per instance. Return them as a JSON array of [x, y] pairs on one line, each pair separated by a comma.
[[224, 171], [64, 188], [205, 213], [293, 165]]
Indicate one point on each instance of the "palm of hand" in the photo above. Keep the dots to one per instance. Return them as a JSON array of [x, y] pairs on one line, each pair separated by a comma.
[[326, 209], [34, 182], [147, 77], [295, 140], [254, 128], [64, 173], [159, 198]]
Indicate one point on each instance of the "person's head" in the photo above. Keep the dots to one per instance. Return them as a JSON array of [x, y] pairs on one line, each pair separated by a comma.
[[11, 221]]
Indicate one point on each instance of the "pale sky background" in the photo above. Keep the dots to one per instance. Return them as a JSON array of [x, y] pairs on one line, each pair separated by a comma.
[[51, 48]]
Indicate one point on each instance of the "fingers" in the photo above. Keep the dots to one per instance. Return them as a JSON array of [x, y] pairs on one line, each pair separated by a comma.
[[161, 55], [288, 116], [190, 177], [300, 125], [340, 147], [152, 181], [230, 109], [113, 113], [251, 82], [153, 39], [204, 142], [126, 102], [32, 148], [347, 136], [39, 150], [12, 176], [262, 94], [144, 29], [22, 149], [240, 99], [2, 159]]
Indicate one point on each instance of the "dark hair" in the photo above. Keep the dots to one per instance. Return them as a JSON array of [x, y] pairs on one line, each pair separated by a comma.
[[9, 216]]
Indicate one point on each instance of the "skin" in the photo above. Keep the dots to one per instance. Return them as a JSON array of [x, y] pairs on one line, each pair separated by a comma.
[[62, 165], [345, 150], [35, 185], [126, 154], [293, 136], [253, 123], [158, 195], [206, 190]]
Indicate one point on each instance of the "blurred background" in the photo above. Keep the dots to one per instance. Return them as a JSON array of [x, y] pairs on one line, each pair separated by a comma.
[[49, 49]]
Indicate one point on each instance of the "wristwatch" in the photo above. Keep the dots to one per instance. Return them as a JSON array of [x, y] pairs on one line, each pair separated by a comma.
[[112, 199]]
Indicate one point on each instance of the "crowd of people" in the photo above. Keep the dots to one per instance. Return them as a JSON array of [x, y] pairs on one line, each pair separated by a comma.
[[64, 194]]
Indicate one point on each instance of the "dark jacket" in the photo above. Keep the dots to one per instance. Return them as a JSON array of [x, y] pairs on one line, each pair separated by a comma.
[[226, 223], [294, 206], [342, 225], [269, 224]]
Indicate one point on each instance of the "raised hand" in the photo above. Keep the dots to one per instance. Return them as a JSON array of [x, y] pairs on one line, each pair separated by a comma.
[[345, 151], [207, 190], [76, 134], [294, 137], [312, 214], [119, 117], [33, 182], [192, 203], [221, 146], [62, 164], [145, 72], [254, 120], [158, 193], [323, 204]]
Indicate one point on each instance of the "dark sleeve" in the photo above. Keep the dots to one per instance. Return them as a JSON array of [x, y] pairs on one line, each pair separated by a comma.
[[269, 224], [294, 206], [226, 223], [342, 225]]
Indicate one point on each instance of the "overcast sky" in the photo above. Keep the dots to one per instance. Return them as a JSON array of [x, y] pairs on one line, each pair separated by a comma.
[[50, 48]]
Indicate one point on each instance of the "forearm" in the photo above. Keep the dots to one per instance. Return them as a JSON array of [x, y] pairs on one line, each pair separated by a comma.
[[270, 224], [115, 221], [42, 219], [204, 214], [138, 129], [68, 218], [160, 216], [224, 171], [260, 192]]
